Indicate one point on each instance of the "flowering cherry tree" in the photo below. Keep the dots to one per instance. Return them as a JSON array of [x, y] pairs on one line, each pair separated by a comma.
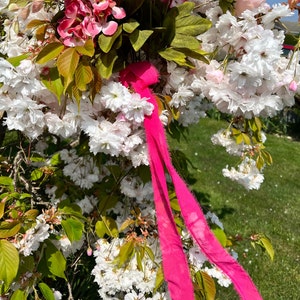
[[87, 88]]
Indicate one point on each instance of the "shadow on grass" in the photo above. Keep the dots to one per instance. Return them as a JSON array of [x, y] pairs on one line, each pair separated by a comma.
[[205, 199], [224, 211], [184, 165]]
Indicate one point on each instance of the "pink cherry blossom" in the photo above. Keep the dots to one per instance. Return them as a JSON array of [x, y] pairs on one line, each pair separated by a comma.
[[88, 18], [101, 6], [110, 28], [71, 33], [90, 26], [118, 12]]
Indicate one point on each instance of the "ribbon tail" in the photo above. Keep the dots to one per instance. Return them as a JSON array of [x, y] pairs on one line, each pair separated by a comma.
[[174, 261], [209, 245], [194, 218], [196, 224]]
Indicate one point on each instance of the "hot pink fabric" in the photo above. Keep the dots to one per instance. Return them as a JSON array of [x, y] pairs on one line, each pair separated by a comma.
[[140, 76]]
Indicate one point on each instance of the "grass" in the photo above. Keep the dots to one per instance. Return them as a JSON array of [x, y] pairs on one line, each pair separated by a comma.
[[273, 210]]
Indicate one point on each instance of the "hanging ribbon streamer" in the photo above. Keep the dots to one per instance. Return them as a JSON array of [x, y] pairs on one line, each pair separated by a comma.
[[139, 76]]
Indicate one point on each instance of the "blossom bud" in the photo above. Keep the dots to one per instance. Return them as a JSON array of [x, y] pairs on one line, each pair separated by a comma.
[[89, 251], [13, 7], [215, 76], [293, 86]]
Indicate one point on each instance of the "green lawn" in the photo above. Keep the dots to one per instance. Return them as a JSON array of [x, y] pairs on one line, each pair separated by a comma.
[[273, 210]]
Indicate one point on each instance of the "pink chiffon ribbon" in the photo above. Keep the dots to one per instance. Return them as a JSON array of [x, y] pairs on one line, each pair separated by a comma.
[[139, 76]]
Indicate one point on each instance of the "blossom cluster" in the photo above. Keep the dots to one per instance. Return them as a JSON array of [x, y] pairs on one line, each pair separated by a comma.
[[254, 78], [24, 98], [86, 19], [247, 77], [130, 281]]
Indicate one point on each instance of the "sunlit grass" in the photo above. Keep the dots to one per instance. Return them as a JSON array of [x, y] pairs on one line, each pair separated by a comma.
[[273, 210]]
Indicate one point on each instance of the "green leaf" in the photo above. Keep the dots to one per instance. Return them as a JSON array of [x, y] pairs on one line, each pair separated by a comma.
[[174, 202], [24, 196], [139, 259], [36, 174], [183, 40], [138, 38], [126, 253], [100, 229], [150, 253], [195, 53], [67, 62], [106, 202], [239, 138], [186, 8], [144, 173], [19, 295], [126, 224], [2, 207], [208, 286], [6, 181], [55, 159], [65, 207], [37, 159], [41, 32], [179, 222], [49, 52], [267, 157], [27, 264], [115, 170], [107, 226], [130, 25], [106, 42], [191, 25], [176, 56], [246, 139], [169, 26], [83, 76], [16, 60], [56, 262], [159, 280], [75, 93], [10, 195], [105, 63], [9, 229], [260, 162], [265, 243], [35, 23], [73, 228], [14, 214], [227, 5], [220, 235], [46, 291], [258, 123], [31, 214], [9, 264], [87, 49], [53, 83], [96, 83], [268, 246]]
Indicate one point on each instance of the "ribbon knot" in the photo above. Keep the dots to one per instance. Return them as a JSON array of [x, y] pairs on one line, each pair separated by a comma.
[[140, 76]]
